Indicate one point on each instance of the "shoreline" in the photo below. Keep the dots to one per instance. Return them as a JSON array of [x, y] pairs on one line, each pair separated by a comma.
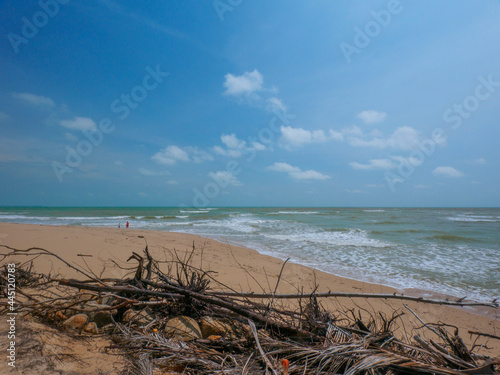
[[240, 268], [410, 291], [391, 289], [393, 247]]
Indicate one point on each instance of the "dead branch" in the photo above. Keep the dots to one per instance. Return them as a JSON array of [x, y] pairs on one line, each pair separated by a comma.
[[26, 252], [279, 327], [484, 334], [356, 295], [263, 355]]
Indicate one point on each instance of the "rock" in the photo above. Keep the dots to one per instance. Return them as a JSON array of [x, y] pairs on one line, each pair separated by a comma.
[[91, 328], [140, 318], [170, 369], [57, 316], [183, 328], [214, 338], [129, 316], [108, 300], [211, 327], [28, 317], [76, 322], [102, 317], [84, 297], [60, 316], [70, 313]]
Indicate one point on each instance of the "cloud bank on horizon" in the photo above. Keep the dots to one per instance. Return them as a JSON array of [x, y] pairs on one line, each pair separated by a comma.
[[316, 104]]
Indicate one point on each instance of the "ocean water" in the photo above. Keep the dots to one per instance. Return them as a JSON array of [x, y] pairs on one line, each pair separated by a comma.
[[453, 251]]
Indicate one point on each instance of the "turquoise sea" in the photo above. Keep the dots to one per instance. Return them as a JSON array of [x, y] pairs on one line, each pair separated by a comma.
[[453, 251]]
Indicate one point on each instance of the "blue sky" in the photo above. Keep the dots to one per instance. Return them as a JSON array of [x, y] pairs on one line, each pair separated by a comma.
[[250, 103]]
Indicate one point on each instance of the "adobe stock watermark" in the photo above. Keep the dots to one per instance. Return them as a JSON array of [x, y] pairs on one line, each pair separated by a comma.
[[212, 189], [372, 29], [224, 6], [122, 107], [11, 314], [31, 26], [455, 117]]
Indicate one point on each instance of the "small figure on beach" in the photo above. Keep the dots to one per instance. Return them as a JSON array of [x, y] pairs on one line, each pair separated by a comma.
[[118, 225], [127, 224]]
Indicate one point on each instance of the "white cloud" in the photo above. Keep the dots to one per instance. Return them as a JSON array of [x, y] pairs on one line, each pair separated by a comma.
[[197, 155], [231, 141], [372, 117], [296, 173], [374, 164], [173, 154], [353, 131], [79, 123], [275, 103], [296, 137], [258, 146], [411, 160], [224, 178], [479, 161], [309, 175], [335, 135], [249, 89], [405, 138], [447, 172], [227, 152], [236, 146], [33, 99], [391, 163], [247, 83], [172, 182]]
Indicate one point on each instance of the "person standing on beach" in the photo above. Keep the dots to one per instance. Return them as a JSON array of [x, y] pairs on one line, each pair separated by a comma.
[[127, 224]]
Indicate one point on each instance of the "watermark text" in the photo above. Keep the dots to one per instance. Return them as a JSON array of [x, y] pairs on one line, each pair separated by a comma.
[[11, 314]]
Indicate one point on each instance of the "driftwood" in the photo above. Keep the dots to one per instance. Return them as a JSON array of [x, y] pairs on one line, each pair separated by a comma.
[[283, 328], [484, 334], [261, 351], [357, 295]]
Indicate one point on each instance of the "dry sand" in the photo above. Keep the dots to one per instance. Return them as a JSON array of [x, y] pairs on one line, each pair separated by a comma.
[[239, 268]]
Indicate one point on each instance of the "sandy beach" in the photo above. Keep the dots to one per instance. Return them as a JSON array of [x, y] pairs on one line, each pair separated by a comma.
[[96, 249]]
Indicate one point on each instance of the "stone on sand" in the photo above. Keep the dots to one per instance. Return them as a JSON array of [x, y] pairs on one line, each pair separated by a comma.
[[183, 328], [76, 322]]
